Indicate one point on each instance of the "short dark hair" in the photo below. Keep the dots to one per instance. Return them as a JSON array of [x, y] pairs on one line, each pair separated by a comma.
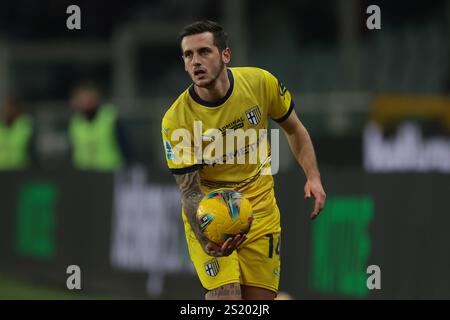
[[219, 35], [85, 85]]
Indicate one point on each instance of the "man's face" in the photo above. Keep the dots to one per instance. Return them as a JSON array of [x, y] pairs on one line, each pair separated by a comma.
[[85, 100], [9, 112], [202, 59]]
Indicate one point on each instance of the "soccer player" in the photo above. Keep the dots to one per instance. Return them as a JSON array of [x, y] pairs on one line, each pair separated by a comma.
[[247, 266]]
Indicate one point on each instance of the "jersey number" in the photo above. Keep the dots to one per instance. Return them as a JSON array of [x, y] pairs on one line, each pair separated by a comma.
[[277, 248]]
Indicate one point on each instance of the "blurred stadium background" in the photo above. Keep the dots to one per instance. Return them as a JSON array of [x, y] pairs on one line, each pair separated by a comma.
[[376, 103]]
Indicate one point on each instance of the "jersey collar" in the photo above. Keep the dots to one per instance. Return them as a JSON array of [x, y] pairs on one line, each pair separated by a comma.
[[216, 103]]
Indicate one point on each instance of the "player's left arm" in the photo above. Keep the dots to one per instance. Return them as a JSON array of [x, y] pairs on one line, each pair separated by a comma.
[[303, 150]]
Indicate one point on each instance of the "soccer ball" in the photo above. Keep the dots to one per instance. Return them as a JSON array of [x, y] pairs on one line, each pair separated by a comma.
[[224, 213]]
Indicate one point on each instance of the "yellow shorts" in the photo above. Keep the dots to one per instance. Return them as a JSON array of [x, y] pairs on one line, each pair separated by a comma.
[[256, 263]]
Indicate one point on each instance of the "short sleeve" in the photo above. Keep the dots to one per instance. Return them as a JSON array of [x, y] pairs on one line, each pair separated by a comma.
[[280, 103], [179, 148]]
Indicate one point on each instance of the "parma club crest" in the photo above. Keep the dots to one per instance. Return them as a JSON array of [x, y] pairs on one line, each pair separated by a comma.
[[212, 267], [253, 115]]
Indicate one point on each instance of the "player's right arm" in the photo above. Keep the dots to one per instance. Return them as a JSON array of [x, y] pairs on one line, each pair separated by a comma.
[[191, 195]]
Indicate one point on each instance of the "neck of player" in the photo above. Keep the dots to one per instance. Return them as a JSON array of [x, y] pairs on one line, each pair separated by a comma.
[[217, 90]]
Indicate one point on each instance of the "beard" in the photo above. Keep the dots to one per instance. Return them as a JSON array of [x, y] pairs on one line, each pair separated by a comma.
[[210, 83]]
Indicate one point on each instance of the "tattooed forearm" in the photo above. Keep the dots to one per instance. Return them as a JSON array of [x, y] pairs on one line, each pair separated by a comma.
[[191, 195]]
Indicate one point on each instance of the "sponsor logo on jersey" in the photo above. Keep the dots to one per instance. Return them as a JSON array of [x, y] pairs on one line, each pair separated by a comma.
[[253, 115], [212, 267], [234, 125]]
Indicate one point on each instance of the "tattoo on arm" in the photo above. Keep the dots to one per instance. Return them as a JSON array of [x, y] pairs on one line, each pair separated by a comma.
[[191, 195], [230, 291]]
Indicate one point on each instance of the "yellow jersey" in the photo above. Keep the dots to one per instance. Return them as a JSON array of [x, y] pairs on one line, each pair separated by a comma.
[[254, 96]]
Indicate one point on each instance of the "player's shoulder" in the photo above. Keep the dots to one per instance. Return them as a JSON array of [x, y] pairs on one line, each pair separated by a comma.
[[252, 74], [249, 71], [177, 108]]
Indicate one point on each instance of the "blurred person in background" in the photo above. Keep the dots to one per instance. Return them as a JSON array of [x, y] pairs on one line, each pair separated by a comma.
[[17, 147], [232, 98], [97, 137]]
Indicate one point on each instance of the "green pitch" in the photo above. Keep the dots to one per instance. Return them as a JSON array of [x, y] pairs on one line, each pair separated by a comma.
[[13, 289]]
